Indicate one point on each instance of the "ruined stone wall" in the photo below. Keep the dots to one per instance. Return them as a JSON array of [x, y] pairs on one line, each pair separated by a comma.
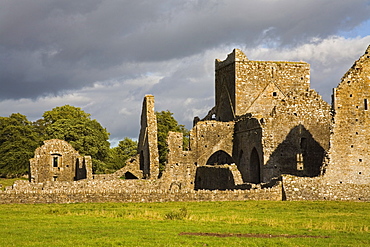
[[260, 85], [321, 188], [84, 191], [208, 137], [349, 159], [148, 142], [210, 141], [57, 160], [296, 135], [181, 165], [225, 87], [245, 86], [131, 170], [179, 176], [247, 148], [217, 177], [123, 191], [176, 152]]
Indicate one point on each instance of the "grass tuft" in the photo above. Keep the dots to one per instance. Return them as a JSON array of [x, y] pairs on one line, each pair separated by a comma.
[[180, 214]]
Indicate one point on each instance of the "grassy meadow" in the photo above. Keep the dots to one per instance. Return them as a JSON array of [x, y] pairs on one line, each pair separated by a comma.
[[249, 223]]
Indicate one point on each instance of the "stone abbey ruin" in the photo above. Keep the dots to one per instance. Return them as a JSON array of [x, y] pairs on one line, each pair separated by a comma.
[[268, 137]]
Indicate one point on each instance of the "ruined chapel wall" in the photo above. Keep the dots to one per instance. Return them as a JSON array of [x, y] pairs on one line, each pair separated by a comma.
[[296, 135], [217, 177], [245, 86], [225, 90], [147, 146], [279, 78], [248, 128], [180, 168], [208, 137], [349, 159], [67, 166], [179, 176], [176, 152]]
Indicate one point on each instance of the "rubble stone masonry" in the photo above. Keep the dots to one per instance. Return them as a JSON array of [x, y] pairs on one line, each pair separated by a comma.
[[268, 137]]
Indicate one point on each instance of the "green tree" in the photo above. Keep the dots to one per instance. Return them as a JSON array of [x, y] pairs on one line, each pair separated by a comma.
[[165, 123], [64, 112], [126, 149], [87, 136], [18, 141]]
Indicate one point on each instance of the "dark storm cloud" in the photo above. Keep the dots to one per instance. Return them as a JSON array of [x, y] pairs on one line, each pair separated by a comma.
[[51, 46]]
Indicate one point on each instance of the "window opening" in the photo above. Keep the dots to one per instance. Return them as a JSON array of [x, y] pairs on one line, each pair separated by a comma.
[[274, 94], [300, 166], [56, 160], [365, 104]]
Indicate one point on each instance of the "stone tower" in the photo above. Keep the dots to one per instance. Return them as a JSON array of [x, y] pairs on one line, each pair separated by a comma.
[[245, 86]]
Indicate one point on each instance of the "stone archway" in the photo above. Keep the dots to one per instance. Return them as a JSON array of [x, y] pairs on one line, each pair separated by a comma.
[[220, 158], [216, 174]]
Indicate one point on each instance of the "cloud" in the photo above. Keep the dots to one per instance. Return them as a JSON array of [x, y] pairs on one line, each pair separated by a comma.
[[105, 55]]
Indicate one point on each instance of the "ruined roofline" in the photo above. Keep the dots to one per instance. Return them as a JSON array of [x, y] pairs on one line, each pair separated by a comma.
[[358, 62], [238, 56], [235, 56]]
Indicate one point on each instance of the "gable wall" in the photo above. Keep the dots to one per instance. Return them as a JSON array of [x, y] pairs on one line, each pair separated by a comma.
[[350, 142]]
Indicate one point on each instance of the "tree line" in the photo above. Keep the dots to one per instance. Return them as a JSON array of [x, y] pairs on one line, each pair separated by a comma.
[[19, 138]]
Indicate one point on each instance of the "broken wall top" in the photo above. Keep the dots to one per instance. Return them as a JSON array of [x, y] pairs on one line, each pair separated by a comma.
[[55, 146], [238, 56], [360, 71]]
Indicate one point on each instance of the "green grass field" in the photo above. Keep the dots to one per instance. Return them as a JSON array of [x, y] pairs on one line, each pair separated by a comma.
[[187, 224]]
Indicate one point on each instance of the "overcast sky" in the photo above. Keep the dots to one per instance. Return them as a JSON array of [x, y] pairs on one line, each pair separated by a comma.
[[105, 55]]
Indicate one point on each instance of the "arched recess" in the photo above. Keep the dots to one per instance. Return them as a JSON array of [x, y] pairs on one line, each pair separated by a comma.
[[220, 158], [215, 176], [254, 168]]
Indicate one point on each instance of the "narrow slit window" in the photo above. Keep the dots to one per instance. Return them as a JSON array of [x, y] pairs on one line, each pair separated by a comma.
[[55, 161], [365, 104]]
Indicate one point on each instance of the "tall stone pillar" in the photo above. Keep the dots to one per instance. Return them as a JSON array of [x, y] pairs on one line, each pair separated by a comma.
[[148, 142]]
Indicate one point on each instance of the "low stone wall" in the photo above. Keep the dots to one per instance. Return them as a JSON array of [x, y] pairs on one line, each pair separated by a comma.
[[103, 191], [319, 188], [290, 188]]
